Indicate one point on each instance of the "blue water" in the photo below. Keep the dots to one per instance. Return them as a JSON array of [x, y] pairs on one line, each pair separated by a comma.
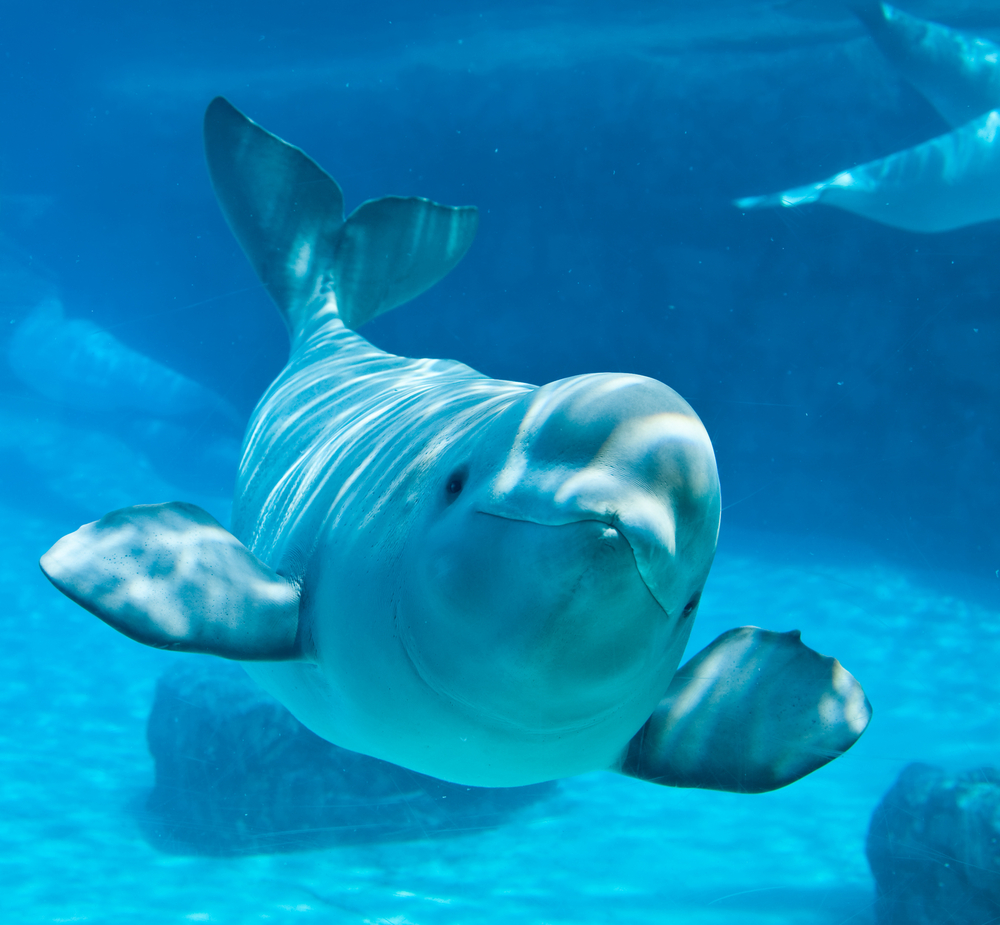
[[847, 373]]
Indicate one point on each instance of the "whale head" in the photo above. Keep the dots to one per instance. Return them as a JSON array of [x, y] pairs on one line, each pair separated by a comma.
[[554, 587]]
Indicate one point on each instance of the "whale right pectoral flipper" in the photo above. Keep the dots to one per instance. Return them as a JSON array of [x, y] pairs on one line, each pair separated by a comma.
[[172, 577], [753, 711]]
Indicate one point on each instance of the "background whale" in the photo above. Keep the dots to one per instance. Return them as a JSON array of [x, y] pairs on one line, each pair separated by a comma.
[[77, 363], [136, 423], [85, 375], [941, 184], [958, 73]]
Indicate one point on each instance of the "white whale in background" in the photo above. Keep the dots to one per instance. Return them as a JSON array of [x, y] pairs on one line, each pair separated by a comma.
[[958, 74], [77, 363], [481, 580], [947, 182]]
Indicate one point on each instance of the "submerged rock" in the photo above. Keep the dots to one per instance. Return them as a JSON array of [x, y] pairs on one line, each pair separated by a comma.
[[934, 848], [236, 773]]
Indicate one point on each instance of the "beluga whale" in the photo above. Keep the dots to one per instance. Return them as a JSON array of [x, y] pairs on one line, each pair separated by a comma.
[[947, 182], [485, 581]]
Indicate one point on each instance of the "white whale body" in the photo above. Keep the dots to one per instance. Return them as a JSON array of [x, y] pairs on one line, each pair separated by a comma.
[[947, 182], [485, 581]]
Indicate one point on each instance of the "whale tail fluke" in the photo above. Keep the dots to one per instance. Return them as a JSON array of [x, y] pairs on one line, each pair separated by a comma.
[[288, 215]]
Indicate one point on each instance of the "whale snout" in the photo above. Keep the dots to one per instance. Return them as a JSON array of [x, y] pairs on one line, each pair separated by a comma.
[[626, 451]]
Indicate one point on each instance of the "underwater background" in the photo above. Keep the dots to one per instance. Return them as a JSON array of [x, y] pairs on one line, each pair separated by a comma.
[[846, 371]]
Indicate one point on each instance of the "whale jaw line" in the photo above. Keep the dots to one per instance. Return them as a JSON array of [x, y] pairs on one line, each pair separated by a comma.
[[547, 629]]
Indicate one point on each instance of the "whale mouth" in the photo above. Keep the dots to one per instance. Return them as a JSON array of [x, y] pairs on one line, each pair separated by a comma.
[[610, 520], [479, 709], [543, 628]]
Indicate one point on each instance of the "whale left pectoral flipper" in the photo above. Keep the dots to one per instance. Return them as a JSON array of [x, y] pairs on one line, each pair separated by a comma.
[[751, 712], [172, 577]]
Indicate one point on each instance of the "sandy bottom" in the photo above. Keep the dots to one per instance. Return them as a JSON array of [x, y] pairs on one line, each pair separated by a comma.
[[75, 696]]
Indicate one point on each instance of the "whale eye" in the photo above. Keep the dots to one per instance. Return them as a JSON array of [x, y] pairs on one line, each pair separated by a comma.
[[691, 606], [456, 481]]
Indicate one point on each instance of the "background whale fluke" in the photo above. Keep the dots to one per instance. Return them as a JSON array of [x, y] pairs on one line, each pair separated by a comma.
[[947, 182], [942, 184], [811, 192]]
